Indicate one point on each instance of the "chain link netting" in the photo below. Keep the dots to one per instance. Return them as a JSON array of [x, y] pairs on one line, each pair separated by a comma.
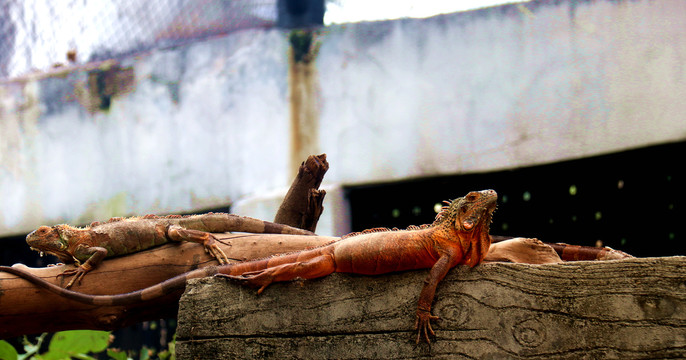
[[36, 35]]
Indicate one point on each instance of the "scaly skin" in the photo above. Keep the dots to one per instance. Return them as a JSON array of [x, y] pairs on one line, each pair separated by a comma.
[[569, 252], [87, 247], [459, 236]]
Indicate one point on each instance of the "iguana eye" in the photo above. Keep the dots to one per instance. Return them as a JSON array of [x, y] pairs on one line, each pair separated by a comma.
[[468, 224]]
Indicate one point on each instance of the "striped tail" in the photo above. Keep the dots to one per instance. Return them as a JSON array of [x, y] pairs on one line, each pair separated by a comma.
[[175, 284], [222, 222], [169, 286]]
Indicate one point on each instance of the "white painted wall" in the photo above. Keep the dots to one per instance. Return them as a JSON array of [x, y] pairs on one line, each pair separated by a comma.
[[225, 138], [477, 91], [501, 88]]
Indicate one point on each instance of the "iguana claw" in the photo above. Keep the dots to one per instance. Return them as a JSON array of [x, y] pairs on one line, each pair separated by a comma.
[[255, 279], [423, 325], [217, 253], [208, 240], [78, 273]]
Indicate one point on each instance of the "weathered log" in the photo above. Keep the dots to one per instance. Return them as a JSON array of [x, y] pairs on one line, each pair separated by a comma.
[[27, 309], [302, 205], [633, 308]]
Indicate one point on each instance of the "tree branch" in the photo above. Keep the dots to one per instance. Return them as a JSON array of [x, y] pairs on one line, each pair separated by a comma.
[[302, 205], [26, 309]]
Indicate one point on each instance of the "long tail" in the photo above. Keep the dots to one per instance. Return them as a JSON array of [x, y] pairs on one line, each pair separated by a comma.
[[578, 252], [177, 283], [569, 252], [222, 222]]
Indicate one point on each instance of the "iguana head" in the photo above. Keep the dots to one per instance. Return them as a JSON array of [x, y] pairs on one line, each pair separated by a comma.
[[467, 220], [470, 213], [47, 240]]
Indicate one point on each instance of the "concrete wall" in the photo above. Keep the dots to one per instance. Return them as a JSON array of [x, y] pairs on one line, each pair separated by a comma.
[[197, 127], [208, 123], [502, 87]]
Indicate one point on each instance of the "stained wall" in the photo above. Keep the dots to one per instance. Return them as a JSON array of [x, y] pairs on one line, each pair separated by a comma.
[[208, 123]]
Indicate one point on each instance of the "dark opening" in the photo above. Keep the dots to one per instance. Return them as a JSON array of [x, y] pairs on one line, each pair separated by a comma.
[[300, 13], [630, 201]]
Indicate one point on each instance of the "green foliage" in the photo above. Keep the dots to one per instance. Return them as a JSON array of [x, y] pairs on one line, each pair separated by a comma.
[[117, 354], [7, 352], [30, 348], [77, 344]]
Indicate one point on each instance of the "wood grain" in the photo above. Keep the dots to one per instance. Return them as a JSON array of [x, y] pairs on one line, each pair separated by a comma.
[[633, 308]]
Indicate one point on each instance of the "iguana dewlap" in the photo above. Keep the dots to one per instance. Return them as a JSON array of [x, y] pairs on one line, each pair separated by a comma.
[[87, 247]]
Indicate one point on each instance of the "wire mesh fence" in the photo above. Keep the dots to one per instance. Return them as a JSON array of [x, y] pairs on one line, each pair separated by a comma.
[[36, 35]]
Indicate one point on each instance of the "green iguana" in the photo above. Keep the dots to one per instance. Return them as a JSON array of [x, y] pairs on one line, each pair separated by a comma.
[[87, 247], [459, 235]]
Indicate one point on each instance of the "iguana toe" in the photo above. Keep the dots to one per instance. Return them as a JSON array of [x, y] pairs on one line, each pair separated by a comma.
[[217, 253], [78, 273], [254, 281], [423, 325]]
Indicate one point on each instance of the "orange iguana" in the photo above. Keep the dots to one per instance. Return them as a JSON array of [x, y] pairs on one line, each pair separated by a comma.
[[87, 247], [459, 235]]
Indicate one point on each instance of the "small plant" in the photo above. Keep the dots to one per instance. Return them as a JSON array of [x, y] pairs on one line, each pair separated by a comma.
[[77, 344]]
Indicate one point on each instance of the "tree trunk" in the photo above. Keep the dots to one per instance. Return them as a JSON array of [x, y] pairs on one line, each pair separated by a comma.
[[26, 309], [606, 309], [302, 205]]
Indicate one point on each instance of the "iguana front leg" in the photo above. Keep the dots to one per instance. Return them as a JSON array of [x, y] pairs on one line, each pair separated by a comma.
[[95, 256], [426, 297], [208, 240]]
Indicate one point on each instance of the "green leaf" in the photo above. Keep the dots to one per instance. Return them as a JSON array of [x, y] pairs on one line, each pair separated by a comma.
[[144, 354], [172, 348], [117, 354], [7, 351], [83, 357], [76, 343]]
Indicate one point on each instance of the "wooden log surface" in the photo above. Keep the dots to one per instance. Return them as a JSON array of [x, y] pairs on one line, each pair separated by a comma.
[[27, 309], [634, 308]]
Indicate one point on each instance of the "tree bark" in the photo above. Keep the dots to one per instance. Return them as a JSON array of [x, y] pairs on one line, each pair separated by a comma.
[[630, 308], [26, 309], [302, 205]]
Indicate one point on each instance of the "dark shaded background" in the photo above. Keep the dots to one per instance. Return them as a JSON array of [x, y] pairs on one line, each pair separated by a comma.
[[631, 201]]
